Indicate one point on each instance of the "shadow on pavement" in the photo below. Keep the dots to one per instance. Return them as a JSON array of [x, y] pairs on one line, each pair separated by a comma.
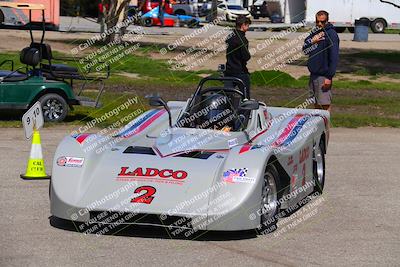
[[152, 232]]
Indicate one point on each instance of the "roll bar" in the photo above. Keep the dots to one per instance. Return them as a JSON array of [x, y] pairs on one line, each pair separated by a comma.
[[238, 81]]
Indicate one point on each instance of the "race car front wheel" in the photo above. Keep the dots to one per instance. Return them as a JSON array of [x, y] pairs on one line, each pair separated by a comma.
[[270, 204], [319, 166]]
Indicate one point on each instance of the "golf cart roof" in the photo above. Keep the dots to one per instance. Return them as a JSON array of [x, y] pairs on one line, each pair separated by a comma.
[[26, 6]]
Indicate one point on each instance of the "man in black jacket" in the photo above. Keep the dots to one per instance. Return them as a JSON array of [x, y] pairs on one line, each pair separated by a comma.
[[237, 52], [322, 47]]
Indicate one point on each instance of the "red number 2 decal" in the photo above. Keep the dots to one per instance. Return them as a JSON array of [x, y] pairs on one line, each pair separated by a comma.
[[145, 198]]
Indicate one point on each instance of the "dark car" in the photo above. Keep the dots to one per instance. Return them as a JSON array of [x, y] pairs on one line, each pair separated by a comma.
[[259, 10]]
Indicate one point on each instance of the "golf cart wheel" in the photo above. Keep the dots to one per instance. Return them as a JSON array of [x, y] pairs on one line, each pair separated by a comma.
[[351, 29], [319, 166], [378, 26], [227, 18], [270, 204], [54, 107]]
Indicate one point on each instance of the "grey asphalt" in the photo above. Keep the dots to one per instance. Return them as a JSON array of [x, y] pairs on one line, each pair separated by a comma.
[[355, 222]]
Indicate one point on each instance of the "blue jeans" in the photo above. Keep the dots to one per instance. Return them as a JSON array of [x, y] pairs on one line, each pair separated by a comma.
[[161, 16]]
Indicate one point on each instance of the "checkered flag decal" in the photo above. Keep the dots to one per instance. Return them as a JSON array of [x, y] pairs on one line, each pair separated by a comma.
[[241, 172]]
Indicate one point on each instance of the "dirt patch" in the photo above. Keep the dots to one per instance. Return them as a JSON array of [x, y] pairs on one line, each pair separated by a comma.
[[130, 75]]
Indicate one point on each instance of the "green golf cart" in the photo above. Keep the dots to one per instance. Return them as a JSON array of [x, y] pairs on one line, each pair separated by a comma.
[[39, 79]]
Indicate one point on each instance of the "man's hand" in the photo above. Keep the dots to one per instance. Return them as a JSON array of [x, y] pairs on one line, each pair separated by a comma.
[[327, 84], [318, 37]]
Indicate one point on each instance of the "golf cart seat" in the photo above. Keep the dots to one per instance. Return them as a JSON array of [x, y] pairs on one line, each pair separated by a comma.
[[60, 68], [12, 76], [30, 57], [9, 73], [51, 70]]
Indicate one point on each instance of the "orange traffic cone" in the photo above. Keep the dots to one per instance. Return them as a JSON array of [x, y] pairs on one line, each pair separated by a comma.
[[35, 169]]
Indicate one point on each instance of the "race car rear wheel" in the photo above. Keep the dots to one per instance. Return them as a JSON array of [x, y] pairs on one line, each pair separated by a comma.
[[270, 204], [319, 166]]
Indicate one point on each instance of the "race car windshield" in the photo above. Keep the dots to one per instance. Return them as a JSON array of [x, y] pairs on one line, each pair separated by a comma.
[[235, 7], [216, 111]]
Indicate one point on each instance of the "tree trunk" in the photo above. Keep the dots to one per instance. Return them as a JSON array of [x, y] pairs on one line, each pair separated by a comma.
[[113, 15]]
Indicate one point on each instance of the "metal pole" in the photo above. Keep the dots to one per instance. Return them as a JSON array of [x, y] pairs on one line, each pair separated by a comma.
[[30, 25], [44, 26]]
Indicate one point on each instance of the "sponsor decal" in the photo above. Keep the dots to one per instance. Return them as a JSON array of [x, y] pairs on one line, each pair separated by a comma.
[[141, 123], [248, 147], [152, 174], [291, 130], [70, 161], [238, 176], [80, 138], [232, 142], [266, 115]]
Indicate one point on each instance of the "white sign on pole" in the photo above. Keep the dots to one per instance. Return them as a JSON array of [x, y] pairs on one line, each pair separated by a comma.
[[33, 118]]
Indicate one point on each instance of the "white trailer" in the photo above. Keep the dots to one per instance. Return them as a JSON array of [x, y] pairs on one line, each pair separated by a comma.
[[342, 13], [381, 13]]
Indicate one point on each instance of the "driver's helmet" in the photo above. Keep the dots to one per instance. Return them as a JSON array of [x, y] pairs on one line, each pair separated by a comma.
[[217, 112]]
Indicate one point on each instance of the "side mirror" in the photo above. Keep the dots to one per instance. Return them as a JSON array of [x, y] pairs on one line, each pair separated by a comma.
[[157, 101], [249, 105]]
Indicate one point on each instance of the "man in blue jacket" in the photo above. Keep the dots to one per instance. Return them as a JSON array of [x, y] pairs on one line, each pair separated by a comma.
[[322, 47]]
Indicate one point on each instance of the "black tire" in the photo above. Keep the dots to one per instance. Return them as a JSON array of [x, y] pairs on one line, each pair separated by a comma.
[[319, 167], [180, 12], [269, 215], [1, 17], [54, 107], [193, 23], [378, 26], [227, 18], [148, 22], [340, 29], [351, 29]]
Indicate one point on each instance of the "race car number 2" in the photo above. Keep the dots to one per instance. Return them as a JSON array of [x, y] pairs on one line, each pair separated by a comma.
[[147, 194]]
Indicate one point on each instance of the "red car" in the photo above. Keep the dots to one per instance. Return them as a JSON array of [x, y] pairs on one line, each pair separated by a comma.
[[150, 4]]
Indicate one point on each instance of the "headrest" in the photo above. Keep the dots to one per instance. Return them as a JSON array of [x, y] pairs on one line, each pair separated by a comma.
[[30, 56], [44, 49]]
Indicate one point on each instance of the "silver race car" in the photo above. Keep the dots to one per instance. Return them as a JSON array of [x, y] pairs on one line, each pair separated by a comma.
[[218, 161]]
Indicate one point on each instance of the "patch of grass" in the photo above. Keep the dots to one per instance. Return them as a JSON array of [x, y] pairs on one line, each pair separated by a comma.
[[392, 57], [113, 104], [275, 79], [281, 79], [111, 113], [392, 31], [356, 120], [353, 106], [394, 75], [362, 72], [364, 84]]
